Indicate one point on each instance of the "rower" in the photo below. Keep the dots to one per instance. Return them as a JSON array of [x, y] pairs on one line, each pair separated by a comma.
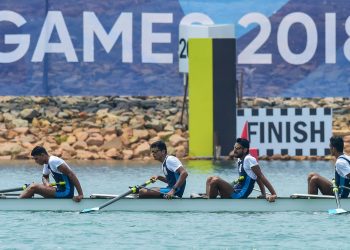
[[342, 172], [249, 172], [174, 174], [60, 171]]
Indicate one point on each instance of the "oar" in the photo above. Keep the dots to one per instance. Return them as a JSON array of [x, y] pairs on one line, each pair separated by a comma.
[[132, 190], [26, 185], [338, 210]]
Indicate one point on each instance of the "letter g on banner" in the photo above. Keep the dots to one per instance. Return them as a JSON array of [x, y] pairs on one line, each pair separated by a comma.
[[23, 41]]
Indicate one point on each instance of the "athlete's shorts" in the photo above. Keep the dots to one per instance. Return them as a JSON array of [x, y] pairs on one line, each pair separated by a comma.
[[344, 193], [166, 190], [66, 192], [243, 191]]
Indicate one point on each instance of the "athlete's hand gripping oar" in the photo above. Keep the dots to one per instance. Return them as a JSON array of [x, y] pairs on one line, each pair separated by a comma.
[[25, 186], [132, 190], [338, 210]]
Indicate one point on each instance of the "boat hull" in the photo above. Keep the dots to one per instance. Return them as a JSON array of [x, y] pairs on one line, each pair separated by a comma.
[[175, 205]]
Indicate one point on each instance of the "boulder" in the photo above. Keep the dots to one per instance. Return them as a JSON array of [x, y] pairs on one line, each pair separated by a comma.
[[19, 123], [127, 154], [80, 145], [9, 148], [29, 114], [71, 139], [141, 133], [115, 143], [81, 136], [86, 155], [113, 153], [142, 149], [176, 139]]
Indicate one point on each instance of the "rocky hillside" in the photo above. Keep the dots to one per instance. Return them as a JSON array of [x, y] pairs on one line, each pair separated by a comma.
[[119, 127]]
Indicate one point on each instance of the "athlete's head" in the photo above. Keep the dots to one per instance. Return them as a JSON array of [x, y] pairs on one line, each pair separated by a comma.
[[158, 150], [241, 148], [39, 154], [336, 143]]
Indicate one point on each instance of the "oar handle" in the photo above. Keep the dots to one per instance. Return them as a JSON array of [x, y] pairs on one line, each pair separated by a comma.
[[61, 183]]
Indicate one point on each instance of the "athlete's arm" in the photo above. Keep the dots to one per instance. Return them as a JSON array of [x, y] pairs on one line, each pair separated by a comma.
[[67, 171], [261, 177], [46, 180], [159, 177], [183, 175], [262, 188]]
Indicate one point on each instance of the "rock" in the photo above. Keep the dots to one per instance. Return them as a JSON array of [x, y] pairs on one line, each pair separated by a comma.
[[66, 155], [176, 139], [5, 157], [67, 129], [21, 130], [164, 135], [180, 151], [141, 133], [9, 148], [10, 134], [109, 131], [27, 145], [63, 115], [102, 113], [127, 154], [86, 155], [94, 149], [115, 143], [71, 139], [68, 148], [7, 117], [113, 153], [81, 136], [95, 139], [154, 124], [109, 137], [28, 138], [169, 127], [80, 145], [142, 149], [19, 123], [153, 139], [28, 114]]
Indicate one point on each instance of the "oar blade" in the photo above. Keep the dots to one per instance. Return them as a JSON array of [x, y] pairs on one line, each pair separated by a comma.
[[90, 210], [337, 211]]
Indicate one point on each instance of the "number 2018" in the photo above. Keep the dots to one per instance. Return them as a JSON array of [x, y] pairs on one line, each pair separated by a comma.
[[249, 54]]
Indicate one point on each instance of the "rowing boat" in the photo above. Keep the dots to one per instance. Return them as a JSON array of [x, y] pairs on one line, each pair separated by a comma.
[[304, 203]]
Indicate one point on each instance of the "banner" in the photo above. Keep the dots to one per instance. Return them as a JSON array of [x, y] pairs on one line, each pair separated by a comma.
[[288, 131], [284, 48]]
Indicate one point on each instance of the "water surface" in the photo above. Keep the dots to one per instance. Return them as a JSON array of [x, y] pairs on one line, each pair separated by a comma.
[[163, 230]]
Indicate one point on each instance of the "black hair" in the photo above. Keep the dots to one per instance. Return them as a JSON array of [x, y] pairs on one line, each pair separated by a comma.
[[160, 145], [38, 150], [243, 142], [337, 143]]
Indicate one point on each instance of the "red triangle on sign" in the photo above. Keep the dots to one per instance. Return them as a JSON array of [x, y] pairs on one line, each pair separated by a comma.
[[245, 134]]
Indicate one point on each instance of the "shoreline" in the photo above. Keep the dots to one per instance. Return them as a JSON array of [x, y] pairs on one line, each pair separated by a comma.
[[122, 128]]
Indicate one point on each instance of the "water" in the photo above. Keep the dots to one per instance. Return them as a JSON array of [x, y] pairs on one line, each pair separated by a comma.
[[140, 230]]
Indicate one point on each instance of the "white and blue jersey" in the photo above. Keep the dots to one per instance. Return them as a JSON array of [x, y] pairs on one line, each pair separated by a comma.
[[246, 178], [170, 166], [62, 191], [342, 169]]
